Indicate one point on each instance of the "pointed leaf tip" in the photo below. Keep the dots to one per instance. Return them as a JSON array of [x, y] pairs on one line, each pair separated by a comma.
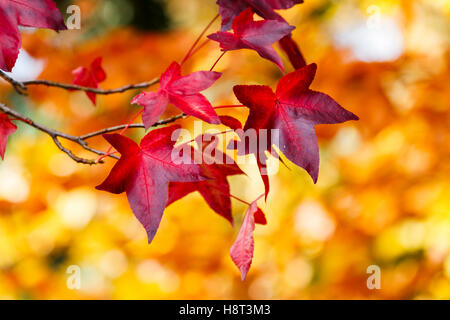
[[181, 91]]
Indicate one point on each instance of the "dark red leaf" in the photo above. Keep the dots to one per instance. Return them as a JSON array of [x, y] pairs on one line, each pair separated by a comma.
[[229, 9], [182, 92], [6, 129], [144, 171], [254, 35], [293, 110], [9, 42], [90, 77], [37, 13]]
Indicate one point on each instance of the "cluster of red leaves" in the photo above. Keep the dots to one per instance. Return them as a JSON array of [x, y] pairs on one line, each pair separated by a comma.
[[147, 172]]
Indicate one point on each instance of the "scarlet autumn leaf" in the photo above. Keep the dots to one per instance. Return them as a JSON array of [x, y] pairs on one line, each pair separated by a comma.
[[241, 251], [293, 110], [215, 165], [37, 14], [182, 92], [229, 9], [6, 129], [90, 78], [254, 35], [144, 171]]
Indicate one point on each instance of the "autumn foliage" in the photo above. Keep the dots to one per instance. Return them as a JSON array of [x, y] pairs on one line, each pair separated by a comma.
[[145, 172], [283, 93]]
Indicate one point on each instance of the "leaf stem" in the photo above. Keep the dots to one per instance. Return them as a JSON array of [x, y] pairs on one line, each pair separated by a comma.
[[213, 135], [204, 43], [108, 152], [220, 57], [230, 195], [191, 50]]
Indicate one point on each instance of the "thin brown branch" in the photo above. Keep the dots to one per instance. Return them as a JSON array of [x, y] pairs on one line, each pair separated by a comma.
[[21, 87], [55, 135], [133, 125], [80, 140], [66, 86], [18, 86], [70, 154]]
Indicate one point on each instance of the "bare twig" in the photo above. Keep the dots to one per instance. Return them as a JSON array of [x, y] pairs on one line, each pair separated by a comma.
[[133, 125], [80, 140], [21, 87], [66, 86], [111, 129]]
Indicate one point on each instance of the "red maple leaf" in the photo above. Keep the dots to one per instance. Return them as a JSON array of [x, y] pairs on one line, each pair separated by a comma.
[[90, 78], [254, 35], [241, 251], [182, 92], [215, 165], [14, 13], [229, 9], [293, 110], [6, 129], [144, 171]]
